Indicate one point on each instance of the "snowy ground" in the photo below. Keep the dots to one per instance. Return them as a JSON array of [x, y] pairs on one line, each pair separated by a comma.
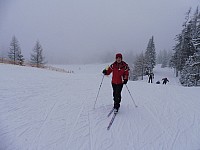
[[47, 110]]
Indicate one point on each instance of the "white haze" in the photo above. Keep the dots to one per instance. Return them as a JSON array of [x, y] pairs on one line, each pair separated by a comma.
[[77, 31]]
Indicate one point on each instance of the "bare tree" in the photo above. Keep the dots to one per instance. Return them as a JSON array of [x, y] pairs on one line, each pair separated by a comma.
[[14, 50], [37, 58]]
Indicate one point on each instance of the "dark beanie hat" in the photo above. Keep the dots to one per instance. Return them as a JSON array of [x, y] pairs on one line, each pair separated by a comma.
[[119, 55]]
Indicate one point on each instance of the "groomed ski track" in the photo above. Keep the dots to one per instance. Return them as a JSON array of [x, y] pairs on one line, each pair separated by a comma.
[[46, 110]]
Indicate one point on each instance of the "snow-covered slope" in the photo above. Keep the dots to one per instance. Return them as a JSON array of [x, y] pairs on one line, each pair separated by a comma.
[[46, 110]]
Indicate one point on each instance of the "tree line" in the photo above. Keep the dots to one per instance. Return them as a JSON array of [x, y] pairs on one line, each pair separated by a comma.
[[144, 63], [16, 57], [186, 57]]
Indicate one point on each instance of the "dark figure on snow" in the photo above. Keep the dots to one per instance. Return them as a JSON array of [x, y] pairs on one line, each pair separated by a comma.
[[165, 80], [158, 82], [151, 76], [120, 73]]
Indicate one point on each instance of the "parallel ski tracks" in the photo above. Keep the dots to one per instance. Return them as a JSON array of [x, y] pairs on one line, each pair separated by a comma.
[[43, 124], [75, 124]]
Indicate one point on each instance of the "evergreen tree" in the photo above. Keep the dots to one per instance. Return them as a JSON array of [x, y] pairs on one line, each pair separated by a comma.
[[176, 58], [188, 48], [37, 57], [20, 58], [184, 47], [195, 22], [196, 39], [190, 73], [150, 55], [139, 65]]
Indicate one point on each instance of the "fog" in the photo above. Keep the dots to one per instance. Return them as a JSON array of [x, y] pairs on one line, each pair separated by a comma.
[[85, 31]]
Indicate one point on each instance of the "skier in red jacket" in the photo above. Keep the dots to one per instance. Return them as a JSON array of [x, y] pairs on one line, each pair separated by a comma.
[[120, 73]]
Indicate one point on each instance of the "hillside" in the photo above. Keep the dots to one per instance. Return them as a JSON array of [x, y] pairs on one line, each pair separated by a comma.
[[45, 110]]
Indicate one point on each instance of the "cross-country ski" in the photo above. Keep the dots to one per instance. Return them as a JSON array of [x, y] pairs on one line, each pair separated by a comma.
[[111, 111], [112, 120]]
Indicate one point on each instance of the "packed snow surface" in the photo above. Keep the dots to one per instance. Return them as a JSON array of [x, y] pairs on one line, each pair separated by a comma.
[[48, 110]]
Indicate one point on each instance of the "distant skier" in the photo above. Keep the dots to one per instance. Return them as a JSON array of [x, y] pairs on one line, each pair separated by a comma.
[[165, 80], [151, 76], [120, 74]]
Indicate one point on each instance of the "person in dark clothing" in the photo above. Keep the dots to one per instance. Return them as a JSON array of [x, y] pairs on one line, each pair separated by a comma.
[[151, 76], [165, 80], [120, 74]]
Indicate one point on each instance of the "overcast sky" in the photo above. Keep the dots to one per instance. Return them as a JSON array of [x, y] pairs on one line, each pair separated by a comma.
[[79, 30]]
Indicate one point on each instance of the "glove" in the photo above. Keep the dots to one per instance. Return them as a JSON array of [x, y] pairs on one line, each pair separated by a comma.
[[104, 71], [125, 81]]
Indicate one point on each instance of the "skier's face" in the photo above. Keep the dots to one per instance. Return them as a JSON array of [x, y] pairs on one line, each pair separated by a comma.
[[119, 60]]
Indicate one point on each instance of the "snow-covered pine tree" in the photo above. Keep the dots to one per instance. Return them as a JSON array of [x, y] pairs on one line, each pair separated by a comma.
[[195, 23], [196, 39], [190, 74], [188, 48], [176, 57], [184, 47], [196, 43], [20, 58], [150, 55]]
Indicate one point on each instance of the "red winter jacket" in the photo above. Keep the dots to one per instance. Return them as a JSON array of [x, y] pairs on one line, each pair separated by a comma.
[[119, 71]]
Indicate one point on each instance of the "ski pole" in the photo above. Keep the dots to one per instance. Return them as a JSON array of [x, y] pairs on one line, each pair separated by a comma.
[[131, 96], [98, 91]]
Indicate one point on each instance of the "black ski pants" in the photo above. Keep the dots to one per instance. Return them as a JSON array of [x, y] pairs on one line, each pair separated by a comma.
[[117, 89], [150, 79]]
